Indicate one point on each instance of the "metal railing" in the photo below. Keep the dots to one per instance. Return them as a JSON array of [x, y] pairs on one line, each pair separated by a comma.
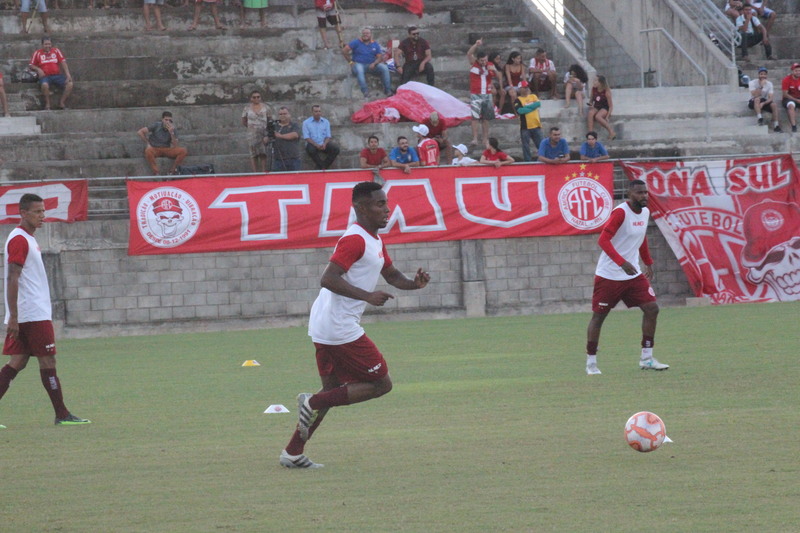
[[645, 48], [564, 22], [714, 23]]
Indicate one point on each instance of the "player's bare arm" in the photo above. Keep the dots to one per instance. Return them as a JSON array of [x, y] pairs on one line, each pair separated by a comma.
[[395, 278], [14, 272], [333, 281]]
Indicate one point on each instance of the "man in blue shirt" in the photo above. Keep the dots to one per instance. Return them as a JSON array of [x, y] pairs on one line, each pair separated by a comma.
[[366, 55], [317, 133], [403, 156], [554, 150]]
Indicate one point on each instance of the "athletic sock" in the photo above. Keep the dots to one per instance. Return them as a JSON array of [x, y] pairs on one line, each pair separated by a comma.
[[591, 359], [331, 398], [296, 443], [53, 387], [758, 115], [591, 348], [7, 374]]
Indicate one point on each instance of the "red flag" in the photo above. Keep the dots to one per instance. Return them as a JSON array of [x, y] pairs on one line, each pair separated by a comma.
[[414, 6]]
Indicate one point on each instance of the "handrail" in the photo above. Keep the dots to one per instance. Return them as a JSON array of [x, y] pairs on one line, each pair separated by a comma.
[[713, 23], [675, 43], [564, 22]]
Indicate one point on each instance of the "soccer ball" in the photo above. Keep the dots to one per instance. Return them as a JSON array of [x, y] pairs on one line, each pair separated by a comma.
[[645, 431]]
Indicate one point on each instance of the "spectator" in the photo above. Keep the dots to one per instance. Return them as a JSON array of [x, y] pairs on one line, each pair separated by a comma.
[[286, 143], [326, 14], [373, 156], [51, 66], [317, 133], [592, 150], [255, 117], [498, 79], [752, 32], [403, 156], [530, 125], [427, 148], [762, 95], [764, 13], [24, 13], [542, 72], [790, 91], [162, 141], [554, 150], [156, 11], [575, 82], [733, 9], [480, 92], [461, 158], [514, 72], [198, 6], [3, 99], [438, 132], [366, 56], [494, 156], [602, 106], [260, 5], [417, 56]]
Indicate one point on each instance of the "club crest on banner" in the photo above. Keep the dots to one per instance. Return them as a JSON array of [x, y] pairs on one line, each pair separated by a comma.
[[584, 202], [167, 217]]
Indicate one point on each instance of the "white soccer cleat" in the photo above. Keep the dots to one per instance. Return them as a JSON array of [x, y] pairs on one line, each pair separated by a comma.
[[652, 363], [592, 370], [297, 461]]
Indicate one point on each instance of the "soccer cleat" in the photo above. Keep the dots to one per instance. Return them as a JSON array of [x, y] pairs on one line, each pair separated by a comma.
[[592, 370], [71, 420], [297, 461], [652, 364], [306, 415]]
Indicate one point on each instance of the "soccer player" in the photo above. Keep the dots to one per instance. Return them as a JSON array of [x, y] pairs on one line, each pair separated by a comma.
[[350, 366], [28, 309], [617, 277]]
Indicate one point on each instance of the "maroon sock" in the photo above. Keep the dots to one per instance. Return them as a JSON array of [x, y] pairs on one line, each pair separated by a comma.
[[647, 342], [296, 443], [591, 348], [331, 398], [53, 387], [7, 373]]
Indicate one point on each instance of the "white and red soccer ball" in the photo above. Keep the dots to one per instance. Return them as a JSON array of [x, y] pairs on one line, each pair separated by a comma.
[[645, 431]]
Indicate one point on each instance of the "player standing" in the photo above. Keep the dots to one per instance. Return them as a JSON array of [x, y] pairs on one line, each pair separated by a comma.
[[617, 277], [29, 310], [351, 368]]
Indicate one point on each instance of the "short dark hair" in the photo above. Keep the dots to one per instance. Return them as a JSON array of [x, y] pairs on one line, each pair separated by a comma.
[[364, 190], [47, 38], [401, 137], [412, 28], [373, 137], [494, 143], [554, 128], [636, 182], [592, 134], [316, 106], [480, 54], [27, 199], [166, 114]]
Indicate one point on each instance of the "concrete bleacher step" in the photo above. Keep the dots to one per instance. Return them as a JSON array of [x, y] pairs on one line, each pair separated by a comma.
[[24, 125]]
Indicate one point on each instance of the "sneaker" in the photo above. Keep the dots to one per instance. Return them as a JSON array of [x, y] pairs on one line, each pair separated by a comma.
[[71, 420], [591, 369], [761, 121], [652, 364], [778, 129], [306, 415], [297, 461], [794, 129]]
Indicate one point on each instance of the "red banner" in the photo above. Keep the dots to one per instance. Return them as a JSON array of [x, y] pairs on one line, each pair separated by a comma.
[[311, 210], [734, 225], [64, 201], [414, 6]]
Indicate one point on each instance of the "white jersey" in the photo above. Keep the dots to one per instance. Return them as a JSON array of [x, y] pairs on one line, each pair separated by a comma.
[[762, 92], [626, 241], [33, 298], [336, 319]]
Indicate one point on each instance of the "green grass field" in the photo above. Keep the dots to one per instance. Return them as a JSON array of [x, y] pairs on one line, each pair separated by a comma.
[[492, 426]]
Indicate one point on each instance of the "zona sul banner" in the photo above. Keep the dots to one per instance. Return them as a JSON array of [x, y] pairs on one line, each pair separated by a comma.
[[312, 209]]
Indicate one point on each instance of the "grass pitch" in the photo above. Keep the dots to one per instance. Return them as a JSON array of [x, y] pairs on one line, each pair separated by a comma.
[[492, 426]]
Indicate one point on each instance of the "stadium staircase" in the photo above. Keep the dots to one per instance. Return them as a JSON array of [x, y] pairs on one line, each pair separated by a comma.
[[124, 79]]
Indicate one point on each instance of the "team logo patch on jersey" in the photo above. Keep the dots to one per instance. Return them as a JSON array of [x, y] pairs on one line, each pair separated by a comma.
[[585, 204], [167, 217]]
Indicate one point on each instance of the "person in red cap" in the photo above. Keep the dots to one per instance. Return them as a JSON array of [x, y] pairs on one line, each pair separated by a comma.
[[790, 91], [530, 125], [618, 278], [29, 321]]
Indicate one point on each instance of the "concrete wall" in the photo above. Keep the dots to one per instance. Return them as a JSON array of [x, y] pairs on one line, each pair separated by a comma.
[[622, 20], [99, 290]]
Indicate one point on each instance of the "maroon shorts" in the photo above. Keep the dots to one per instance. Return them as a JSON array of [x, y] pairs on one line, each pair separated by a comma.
[[35, 338], [632, 292], [354, 362]]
